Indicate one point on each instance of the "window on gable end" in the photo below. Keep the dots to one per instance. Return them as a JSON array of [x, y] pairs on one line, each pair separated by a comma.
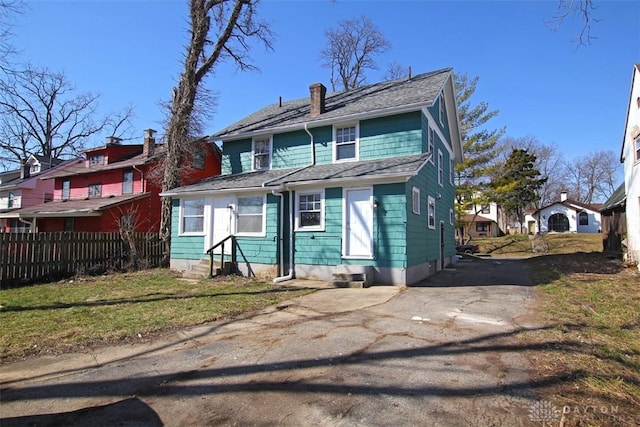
[[440, 168], [66, 189], [452, 217], [416, 200], [442, 109], [262, 153], [198, 159], [346, 143], [431, 212], [431, 141], [310, 210]]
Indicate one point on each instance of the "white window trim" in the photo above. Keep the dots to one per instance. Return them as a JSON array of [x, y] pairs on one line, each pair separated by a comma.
[[441, 109], [253, 152], [205, 215], [68, 195], [357, 142], [415, 200], [452, 171], [636, 148], [440, 168], [263, 231], [431, 142], [320, 227], [431, 201]]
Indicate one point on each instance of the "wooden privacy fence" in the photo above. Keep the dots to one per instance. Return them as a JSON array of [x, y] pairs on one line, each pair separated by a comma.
[[28, 257]]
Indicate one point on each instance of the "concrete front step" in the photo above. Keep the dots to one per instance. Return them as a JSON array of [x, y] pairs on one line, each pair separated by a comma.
[[348, 284]]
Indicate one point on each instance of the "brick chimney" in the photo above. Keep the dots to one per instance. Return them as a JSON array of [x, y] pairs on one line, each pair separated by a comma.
[[149, 145], [318, 92]]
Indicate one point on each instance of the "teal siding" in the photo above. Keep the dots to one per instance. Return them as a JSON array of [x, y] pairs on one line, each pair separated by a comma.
[[291, 150], [391, 136], [184, 247], [262, 250], [236, 157], [435, 113], [323, 247], [390, 225], [323, 137]]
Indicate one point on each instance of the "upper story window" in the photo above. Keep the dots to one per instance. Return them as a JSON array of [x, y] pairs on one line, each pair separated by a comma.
[[95, 190], [127, 182], [198, 159], [431, 212], [262, 153], [48, 197], [440, 168], [346, 143], [452, 171], [250, 215], [192, 216], [310, 210], [431, 139], [442, 109], [12, 200], [486, 209], [96, 160], [583, 217], [66, 189], [415, 192], [637, 147], [452, 217], [35, 168]]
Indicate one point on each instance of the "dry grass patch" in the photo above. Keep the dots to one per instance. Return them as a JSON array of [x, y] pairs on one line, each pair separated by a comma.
[[590, 307], [72, 314]]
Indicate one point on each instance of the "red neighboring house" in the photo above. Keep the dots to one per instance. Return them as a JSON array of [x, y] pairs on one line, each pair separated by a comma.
[[116, 186]]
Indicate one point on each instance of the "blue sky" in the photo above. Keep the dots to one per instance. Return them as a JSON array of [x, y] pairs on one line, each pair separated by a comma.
[[540, 81]]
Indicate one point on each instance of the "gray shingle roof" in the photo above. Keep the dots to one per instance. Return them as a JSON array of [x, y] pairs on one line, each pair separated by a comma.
[[420, 90], [74, 207], [395, 167]]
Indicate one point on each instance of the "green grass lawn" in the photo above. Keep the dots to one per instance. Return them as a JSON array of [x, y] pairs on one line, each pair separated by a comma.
[[89, 311]]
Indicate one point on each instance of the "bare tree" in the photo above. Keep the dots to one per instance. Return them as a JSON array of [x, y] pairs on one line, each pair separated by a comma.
[[593, 177], [8, 8], [583, 10], [220, 30], [396, 71], [41, 113], [350, 51]]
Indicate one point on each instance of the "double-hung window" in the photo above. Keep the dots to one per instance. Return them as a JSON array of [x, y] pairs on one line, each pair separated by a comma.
[[250, 215], [95, 190], [127, 182], [452, 171], [66, 189], [96, 160], [637, 147], [12, 200], [310, 210], [346, 143], [431, 142], [261, 153], [431, 212], [415, 192], [440, 167], [192, 213], [442, 110]]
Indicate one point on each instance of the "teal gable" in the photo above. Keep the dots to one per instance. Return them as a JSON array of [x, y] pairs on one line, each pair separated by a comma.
[[356, 182]]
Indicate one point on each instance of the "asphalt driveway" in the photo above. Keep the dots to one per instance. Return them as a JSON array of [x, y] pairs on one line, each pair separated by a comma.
[[441, 353]]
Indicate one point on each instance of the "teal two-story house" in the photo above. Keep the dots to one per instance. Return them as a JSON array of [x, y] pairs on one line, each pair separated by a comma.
[[354, 181]]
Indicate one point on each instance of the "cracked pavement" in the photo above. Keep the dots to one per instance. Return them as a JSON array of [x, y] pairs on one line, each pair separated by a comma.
[[441, 354]]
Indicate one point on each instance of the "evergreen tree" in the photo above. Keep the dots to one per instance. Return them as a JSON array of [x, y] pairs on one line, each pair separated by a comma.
[[480, 147], [516, 185]]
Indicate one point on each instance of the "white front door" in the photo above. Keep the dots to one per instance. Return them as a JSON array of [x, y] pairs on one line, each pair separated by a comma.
[[222, 222], [358, 223]]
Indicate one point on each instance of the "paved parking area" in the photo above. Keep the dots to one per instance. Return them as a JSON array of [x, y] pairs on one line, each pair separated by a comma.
[[442, 353]]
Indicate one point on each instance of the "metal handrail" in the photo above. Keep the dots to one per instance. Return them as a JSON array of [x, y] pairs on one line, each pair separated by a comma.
[[222, 243]]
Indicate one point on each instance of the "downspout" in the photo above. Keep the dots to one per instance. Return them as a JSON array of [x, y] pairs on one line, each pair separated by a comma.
[[31, 224], [278, 193], [143, 184]]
